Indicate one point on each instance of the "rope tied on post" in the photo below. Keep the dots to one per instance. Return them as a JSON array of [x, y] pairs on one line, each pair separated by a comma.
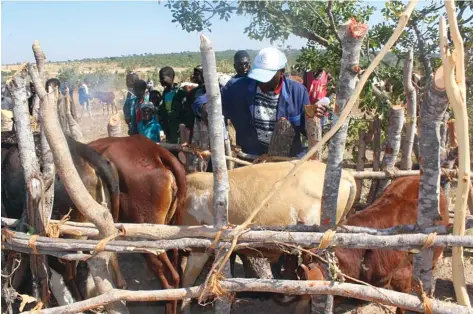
[[53, 229], [327, 239], [32, 243]]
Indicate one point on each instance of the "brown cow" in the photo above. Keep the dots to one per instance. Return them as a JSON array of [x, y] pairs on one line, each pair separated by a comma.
[[381, 268], [100, 179], [152, 190], [107, 99]]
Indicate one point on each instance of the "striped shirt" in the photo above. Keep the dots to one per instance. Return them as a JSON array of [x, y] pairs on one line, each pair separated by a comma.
[[265, 114]]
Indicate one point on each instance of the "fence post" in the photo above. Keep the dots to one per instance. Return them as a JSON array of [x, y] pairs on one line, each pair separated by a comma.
[[33, 179], [432, 112], [396, 121], [219, 166], [456, 92], [410, 91], [351, 34]]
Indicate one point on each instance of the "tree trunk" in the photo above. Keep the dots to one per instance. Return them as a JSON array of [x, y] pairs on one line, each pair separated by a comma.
[[281, 141], [216, 127], [114, 126], [409, 90], [32, 176], [313, 129], [393, 142], [376, 158], [40, 58], [84, 202], [443, 130], [201, 141], [228, 152], [432, 112], [351, 47]]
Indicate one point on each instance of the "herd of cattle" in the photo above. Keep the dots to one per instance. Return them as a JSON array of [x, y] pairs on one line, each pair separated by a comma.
[[142, 182]]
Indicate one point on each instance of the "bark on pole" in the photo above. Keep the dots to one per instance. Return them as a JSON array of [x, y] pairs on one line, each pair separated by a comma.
[[40, 58], [49, 169], [411, 121], [94, 212], [452, 136], [443, 130], [221, 185], [32, 176], [281, 141], [393, 143], [360, 165], [114, 126], [432, 112], [313, 129], [454, 73], [376, 157], [74, 127], [295, 287], [351, 46]]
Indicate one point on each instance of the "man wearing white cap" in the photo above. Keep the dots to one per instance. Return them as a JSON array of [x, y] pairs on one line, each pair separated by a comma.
[[255, 103]]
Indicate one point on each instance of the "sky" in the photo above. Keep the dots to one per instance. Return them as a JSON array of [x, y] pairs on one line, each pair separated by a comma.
[[70, 30]]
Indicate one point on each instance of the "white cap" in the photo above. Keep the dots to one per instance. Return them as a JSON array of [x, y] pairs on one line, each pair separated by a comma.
[[267, 62]]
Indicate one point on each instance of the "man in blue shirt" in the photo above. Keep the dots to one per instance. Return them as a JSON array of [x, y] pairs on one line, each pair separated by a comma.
[[255, 103]]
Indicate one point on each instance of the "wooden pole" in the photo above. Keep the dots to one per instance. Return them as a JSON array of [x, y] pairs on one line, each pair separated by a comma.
[[393, 143], [360, 165], [411, 121], [114, 126], [221, 185], [313, 129], [376, 157], [84, 202], [454, 73], [351, 48], [367, 293], [33, 179], [432, 112]]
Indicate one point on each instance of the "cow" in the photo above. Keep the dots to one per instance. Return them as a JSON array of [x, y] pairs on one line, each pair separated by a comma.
[[152, 190], [298, 203], [398, 205], [106, 99], [100, 179]]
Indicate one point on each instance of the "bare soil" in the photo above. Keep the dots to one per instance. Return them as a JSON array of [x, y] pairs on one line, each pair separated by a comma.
[[139, 277]]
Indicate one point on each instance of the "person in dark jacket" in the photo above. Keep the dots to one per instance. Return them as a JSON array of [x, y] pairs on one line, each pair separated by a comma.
[[255, 103]]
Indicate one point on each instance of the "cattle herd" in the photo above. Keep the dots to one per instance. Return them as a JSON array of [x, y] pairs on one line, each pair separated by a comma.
[[142, 182]]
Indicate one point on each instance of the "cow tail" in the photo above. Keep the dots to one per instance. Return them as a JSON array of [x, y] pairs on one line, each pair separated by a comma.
[[104, 168]]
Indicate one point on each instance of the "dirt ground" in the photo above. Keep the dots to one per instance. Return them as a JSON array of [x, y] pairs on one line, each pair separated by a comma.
[[139, 277]]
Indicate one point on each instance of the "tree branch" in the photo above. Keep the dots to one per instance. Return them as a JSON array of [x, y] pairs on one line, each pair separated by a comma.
[[332, 22]]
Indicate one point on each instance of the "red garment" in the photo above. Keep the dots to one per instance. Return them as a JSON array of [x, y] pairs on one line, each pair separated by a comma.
[[139, 116], [318, 88]]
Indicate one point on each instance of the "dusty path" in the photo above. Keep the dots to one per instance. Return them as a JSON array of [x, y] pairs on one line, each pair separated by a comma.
[[139, 277]]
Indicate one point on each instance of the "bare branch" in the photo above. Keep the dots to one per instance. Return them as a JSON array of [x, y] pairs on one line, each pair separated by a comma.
[[332, 22]]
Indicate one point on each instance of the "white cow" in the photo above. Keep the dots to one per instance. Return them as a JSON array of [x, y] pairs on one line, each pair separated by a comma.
[[298, 202]]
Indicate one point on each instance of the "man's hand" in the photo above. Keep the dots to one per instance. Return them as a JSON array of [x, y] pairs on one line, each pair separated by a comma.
[[323, 106]]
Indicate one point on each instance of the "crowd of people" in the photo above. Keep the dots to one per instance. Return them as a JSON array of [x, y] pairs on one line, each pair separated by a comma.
[[253, 100]]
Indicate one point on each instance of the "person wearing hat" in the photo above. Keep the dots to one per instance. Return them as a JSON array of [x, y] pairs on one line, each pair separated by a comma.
[[255, 103], [148, 126]]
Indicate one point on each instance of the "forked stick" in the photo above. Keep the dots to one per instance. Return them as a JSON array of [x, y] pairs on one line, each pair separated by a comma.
[[403, 19], [454, 68]]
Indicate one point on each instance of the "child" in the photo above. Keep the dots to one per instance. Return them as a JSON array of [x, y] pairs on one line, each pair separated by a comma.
[[174, 108], [131, 78], [148, 126], [84, 98], [139, 89]]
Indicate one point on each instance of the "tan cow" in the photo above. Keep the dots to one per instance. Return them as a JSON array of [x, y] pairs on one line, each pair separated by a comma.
[[299, 202]]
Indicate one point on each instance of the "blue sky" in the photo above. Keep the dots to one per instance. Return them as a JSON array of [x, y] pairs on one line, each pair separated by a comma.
[[78, 29]]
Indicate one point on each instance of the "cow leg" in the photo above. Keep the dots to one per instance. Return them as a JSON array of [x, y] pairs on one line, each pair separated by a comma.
[[172, 268], [195, 263], [60, 290], [157, 266]]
